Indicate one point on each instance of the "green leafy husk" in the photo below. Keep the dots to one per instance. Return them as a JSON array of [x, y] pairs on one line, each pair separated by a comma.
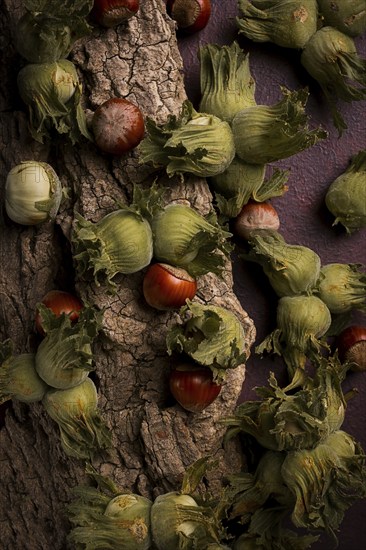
[[185, 238], [325, 481], [242, 181], [196, 472], [264, 134], [211, 335], [227, 86], [178, 522], [233, 187], [348, 16], [331, 58], [346, 196], [302, 321], [248, 492], [121, 522], [342, 287], [48, 29], [313, 486], [52, 92], [274, 186], [291, 269], [18, 376], [33, 193], [262, 502], [121, 242], [82, 431], [280, 421], [195, 143], [64, 358], [287, 23]]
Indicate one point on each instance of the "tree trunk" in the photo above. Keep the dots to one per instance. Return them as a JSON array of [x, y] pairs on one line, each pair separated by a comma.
[[154, 440]]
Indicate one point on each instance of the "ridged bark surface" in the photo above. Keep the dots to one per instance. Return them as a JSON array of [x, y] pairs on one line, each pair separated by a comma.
[[154, 440]]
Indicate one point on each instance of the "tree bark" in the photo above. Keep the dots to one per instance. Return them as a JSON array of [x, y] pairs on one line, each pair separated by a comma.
[[154, 440]]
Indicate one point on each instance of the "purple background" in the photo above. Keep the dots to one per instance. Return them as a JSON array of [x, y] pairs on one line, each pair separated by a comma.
[[304, 217]]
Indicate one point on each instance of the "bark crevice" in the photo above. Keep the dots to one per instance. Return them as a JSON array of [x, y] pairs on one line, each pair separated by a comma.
[[154, 440]]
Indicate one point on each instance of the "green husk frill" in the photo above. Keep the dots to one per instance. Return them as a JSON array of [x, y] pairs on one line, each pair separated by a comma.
[[267, 133], [276, 538], [302, 322], [18, 376], [83, 433], [241, 182], [185, 238], [348, 16], [284, 421], [120, 242], [105, 521], [346, 195], [107, 518], [64, 358], [311, 487], [287, 23], [210, 335], [48, 29], [342, 287], [33, 193], [52, 93], [194, 143], [227, 86]]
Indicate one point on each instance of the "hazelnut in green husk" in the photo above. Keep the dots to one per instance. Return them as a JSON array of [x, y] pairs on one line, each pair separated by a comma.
[[242, 181], [18, 376], [233, 187], [101, 521], [40, 40], [291, 269], [210, 335], [262, 502], [184, 238], [33, 193], [283, 421], [346, 196], [194, 143], [348, 16], [276, 541], [120, 242], [64, 358], [325, 481], [48, 30], [75, 410], [342, 287], [250, 491], [177, 521], [302, 321], [267, 133], [314, 487], [287, 23], [331, 58], [227, 86], [52, 92]]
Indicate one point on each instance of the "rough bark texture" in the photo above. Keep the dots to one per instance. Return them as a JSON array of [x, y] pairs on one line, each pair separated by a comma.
[[154, 439]]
